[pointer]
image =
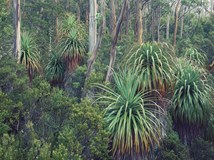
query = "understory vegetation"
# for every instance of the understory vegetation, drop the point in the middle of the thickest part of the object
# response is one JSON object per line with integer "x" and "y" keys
{"x": 58, "y": 103}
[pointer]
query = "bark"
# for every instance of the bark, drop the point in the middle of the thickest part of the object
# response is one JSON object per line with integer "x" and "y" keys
{"x": 113, "y": 19}
{"x": 127, "y": 19}
{"x": 158, "y": 30}
{"x": 177, "y": 9}
{"x": 57, "y": 24}
{"x": 17, "y": 28}
{"x": 114, "y": 39}
{"x": 182, "y": 22}
{"x": 167, "y": 26}
{"x": 78, "y": 11}
{"x": 153, "y": 25}
{"x": 92, "y": 25}
{"x": 138, "y": 23}
{"x": 87, "y": 13}
{"x": 158, "y": 23}
{"x": 91, "y": 60}
{"x": 93, "y": 57}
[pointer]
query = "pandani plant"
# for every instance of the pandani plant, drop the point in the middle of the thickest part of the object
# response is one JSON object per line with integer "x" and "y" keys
{"x": 133, "y": 116}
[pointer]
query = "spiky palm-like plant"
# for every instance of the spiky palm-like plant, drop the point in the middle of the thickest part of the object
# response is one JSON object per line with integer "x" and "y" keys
{"x": 154, "y": 66}
{"x": 72, "y": 41}
{"x": 29, "y": 55}
{"x": 195, "y": 57}
{"x": 55, "y": 69}
{"x": 132, "y": 117}
{"x": 191, "y": 102}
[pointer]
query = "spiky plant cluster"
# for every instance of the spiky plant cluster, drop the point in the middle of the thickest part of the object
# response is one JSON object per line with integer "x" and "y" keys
{"x": 72, "y": 41}
{"x": 132, "y": 117}
{"x": 195, "y": 57}
{"x": 55, "y": 69}
{"x": 191, "y": 101}
{"x": 154, "y": 66}
{"x": 29, "y": 55}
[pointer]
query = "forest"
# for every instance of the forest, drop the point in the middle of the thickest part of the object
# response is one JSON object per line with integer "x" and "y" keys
{"x": 107, "y": 79}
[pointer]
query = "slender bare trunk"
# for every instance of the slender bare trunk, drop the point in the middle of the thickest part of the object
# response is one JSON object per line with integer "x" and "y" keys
{"x": 153, "y": 26}
{"x": 115, "y": 34}
{"x": 93, "y": 57}
{"x": 167, "y": 26}
{"x": 78, "y": 11}
{"x": 87, "y": 13}
{"x": 158, "y": 22}
{"x": 57, "y": 24}
{"x": 91, "y": 60}
{"x": 127, "y": 19}
{"x": 212, "y": 6}
{"x": 17, "y": 28}
{"x": 138, "y": 23}
{"x": 177, "y": 9}
{"x": 182, "y": 22}
{"x": 158, "y": 30}
{"x": 92, "y": 25}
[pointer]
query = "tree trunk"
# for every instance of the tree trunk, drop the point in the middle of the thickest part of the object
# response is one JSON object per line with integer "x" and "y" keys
{"x": 87, "y": 13}
{"x": 92, "y": 25}
{"x": 167, "y": 26}
{"x": 138, "y": 23}
{"x": 57, "y": 24}
{"x": 177, "y": 9}
{"x": 153, "y": 25}
{"x": 127, "y": 18}
{"x": 182, "y": 22}
{"x": 78, "y": 11}
{"x": 17, "y": 28}
{"x": 115, "y": 34}
{"x": 93, "y": 57}
{"x": 158, "y": 22}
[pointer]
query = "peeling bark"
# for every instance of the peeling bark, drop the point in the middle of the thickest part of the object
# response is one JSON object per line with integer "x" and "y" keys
{"x": 17, "y": 28}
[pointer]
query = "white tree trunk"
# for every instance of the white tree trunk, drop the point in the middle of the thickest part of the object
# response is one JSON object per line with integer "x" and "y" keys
{"x": 182, "y": 21}
{"x": 17, "y": 28}
{"x": 92, "y": 25}
{"x": 167, "y": 26}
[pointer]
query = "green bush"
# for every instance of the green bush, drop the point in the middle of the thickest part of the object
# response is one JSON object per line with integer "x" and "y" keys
{"x": 202, "y": 150}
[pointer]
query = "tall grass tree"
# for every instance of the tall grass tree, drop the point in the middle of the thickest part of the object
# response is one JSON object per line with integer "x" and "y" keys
{"x": 29, "y": 55}
{"x": 72, "y": 38}
{"x": 132, "y": 116}
{"x": 55, "y": 70}
{"x": 191, "y": 103}
{"x": 155, "y": 65}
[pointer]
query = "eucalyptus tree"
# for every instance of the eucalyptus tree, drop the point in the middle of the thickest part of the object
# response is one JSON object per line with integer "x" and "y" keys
{"x": 177, "y": 9}
{"x": 132, "y": 117}
{"x": 115, "y": 30}
{"x": 17, "y": 29}
{"x": 92, "y": 25}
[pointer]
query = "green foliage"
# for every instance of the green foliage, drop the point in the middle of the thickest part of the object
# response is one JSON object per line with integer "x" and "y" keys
{"x": 194, "y": 57}
{"x": 172, "y": 149}
{"x": 72, "y": 41}
{"x": 201, "y": 149}
{"x": 191, "y": 102}
{"x": 29, "y": 55}
{"x": 48, "y": 123}
{"x": 88, "y": 126}
{"x": 154, "y": 66}
{"x": 8, "y": 147}
{"x": 55, "y": 70}
{"x": 132, "y": 117}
